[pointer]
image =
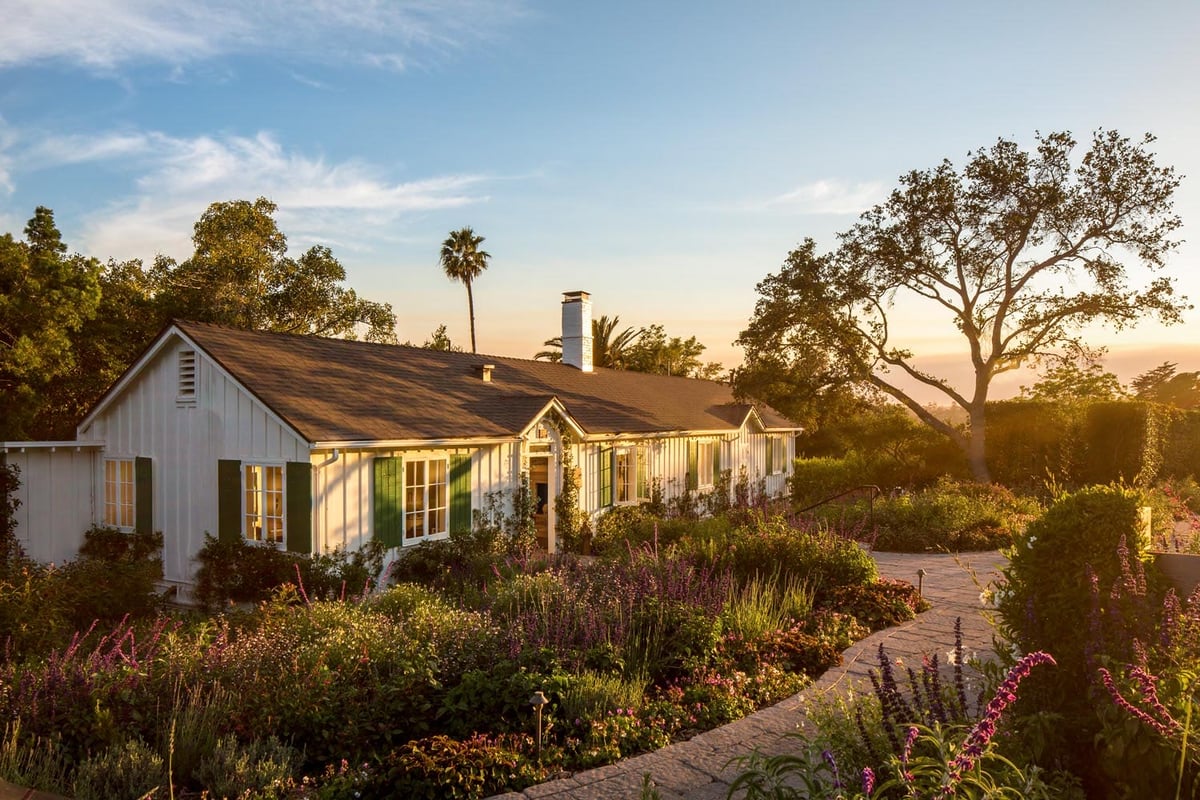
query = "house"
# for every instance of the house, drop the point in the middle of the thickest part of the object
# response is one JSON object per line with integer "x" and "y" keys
{"x": 312, "y": 443}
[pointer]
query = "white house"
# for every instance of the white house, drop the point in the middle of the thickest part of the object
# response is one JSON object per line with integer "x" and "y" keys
{"x": 315, "y": 443}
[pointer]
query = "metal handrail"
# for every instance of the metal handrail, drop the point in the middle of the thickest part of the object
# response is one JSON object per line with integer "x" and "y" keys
{"x": 875, "y": 492}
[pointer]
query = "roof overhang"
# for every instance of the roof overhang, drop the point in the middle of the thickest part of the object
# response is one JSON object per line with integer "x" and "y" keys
{"x": 410, "y": 444}
{"x": 21, "y": 447}
{"x": 149, "y": 355}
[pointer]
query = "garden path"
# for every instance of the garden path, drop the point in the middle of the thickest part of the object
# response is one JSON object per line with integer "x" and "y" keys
{"x": 700, "y": 768}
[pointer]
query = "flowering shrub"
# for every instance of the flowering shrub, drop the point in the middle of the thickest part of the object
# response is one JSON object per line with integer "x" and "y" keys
{"x": 928, "y": 761}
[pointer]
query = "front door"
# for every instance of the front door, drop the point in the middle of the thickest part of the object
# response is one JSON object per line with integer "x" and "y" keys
{"x": 539, "y": 482}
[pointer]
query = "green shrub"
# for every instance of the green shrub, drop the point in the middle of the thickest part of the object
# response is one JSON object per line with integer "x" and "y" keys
{"x": 440, "y": 767}
{"x": 116, "y": 574}
{"x": 261, "y": 769}
{"x": 340, "y": 678}
{"x": 131, "y": 769}
{"x": 880, "y": 604}
{"x": 951, "y": 516}
{"x": 817, "y": 557}
{"x": 238, "y": 571}
{"x": 1058, "y": 595}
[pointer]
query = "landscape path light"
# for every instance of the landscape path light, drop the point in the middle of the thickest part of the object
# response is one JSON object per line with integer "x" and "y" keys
{"x": 921, "y": 573}
{"x": 537, "y": 701}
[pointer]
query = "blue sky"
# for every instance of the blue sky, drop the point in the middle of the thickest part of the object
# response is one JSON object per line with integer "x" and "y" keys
{"x": 664, "y": 156}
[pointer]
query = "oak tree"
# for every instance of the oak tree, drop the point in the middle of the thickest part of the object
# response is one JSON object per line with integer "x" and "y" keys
{"x": 1014, "y": 254}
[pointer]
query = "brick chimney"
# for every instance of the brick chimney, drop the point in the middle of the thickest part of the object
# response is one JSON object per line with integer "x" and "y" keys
{"x": 577, "y": 330}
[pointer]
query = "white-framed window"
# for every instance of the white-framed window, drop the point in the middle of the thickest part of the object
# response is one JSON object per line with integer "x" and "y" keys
{"x": 262, "y": 505}
{"x": 777, "y": 458}
{"x": 704, "y": 464}
{"x": 630, "y": 475}
{"x": 426, "y": 499}
{"x": 118, "y": 493}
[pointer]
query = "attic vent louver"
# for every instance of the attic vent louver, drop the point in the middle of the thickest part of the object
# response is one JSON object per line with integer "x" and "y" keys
{"x": 187, "y": 378}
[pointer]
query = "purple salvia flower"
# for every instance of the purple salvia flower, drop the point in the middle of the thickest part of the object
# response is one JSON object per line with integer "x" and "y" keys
{"x": 833, "y": 767}
{"x": 960, "y": 684}
{"x": 868, "y": 780}
{"x": 1163, "y": 729}
{"x": 979, "y": 737}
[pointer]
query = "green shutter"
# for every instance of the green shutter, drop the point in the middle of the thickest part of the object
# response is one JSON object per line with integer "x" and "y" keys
{"x": 389, "y": 501}
{"x": 606, "y": 473}
{"x": 229, "y": 500}
{"x": 460, "y": 494}
{"x": 643, "y": 480}
{"x": 298, "y": 508}
{"x": 770, "y": 456}
{"x": 716, "y": 446}
{"x": 143, "y": 489}
{"x": 693, "y": 472}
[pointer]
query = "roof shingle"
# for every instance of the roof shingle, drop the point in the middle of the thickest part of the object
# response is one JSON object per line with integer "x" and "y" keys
{"x": 333, "y": 390}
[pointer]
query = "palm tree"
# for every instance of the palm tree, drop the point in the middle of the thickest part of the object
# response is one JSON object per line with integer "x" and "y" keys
{"x": 607, "y": 350}
{"x": 462, "y": 260}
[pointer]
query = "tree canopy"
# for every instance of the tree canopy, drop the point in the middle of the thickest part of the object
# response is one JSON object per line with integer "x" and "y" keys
{"x": 1164, "y": 385}
{"x": 69, "y": 326}
{"x": 46, "y": 297}
{"x": 240, "y": 274}
{"x": 1015, "y": 253}
{"x": 1071, "y": 382}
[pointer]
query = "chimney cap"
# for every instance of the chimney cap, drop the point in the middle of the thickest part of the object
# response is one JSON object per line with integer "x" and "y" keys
{"x": 570, "y": 297}
{"x": 485, "y": 371}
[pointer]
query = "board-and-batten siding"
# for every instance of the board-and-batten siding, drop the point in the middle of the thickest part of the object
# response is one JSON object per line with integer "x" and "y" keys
{"x": 50, "y": 517}
{"x": 343, "y": 495}
{"x": 186, "y": 443}
{"x": 668, "y": 462}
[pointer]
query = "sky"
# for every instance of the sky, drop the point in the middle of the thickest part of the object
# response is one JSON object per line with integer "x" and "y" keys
{"x": 663, "y": 156}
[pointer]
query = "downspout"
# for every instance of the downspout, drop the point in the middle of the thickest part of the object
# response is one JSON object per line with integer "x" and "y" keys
{"x": 333, "y": 457}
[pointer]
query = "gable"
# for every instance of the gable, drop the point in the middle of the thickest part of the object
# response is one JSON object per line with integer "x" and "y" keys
{"x": 338, "y": 391}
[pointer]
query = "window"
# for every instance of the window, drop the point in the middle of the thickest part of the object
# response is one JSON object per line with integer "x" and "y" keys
{"x": 263, "y": 504}
{"x": 118, "y": 492}
{"x": 186, "y": 395}
{"x": 426, "y": 510}
{"x": 776, "y": 455}
{"x": 630, "y": 473}
{"x": 705, "y": 452}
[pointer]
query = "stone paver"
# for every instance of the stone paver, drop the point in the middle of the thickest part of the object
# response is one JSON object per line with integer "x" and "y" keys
{"x": 700, "y": 769}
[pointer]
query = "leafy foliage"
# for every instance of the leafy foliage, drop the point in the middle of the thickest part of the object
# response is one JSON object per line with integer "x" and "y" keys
{"x": 238, "y": 571}
{"x": 1020, "y": 249}
{"x": 46, "y": 297}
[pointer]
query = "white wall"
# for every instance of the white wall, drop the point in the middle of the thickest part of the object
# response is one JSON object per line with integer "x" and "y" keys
{"x": 343, "y": 488}
{"x": 56, "y": 501}
{"x": 186, "y": 443}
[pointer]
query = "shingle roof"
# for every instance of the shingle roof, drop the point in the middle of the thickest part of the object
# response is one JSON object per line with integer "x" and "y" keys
{"x": 332, "y": 390}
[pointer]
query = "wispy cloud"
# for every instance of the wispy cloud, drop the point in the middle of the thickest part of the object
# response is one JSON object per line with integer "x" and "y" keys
{"x": 106, "y": 34}
{"x": 175, "y": 179}
{"x": 7, "y": 139}
{"x": 827, "y": 197}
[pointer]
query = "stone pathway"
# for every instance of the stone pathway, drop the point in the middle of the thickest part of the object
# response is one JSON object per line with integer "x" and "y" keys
{"x": 699, "y": 769}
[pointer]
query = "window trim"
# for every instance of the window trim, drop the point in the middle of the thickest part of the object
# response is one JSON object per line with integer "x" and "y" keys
{"x": 778, "y": 456}
{"x": 427, "y": 509}
{"x": 263, "y": 491}
{"x": 705, "y": 448}
{"x": 118, "y": 504}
